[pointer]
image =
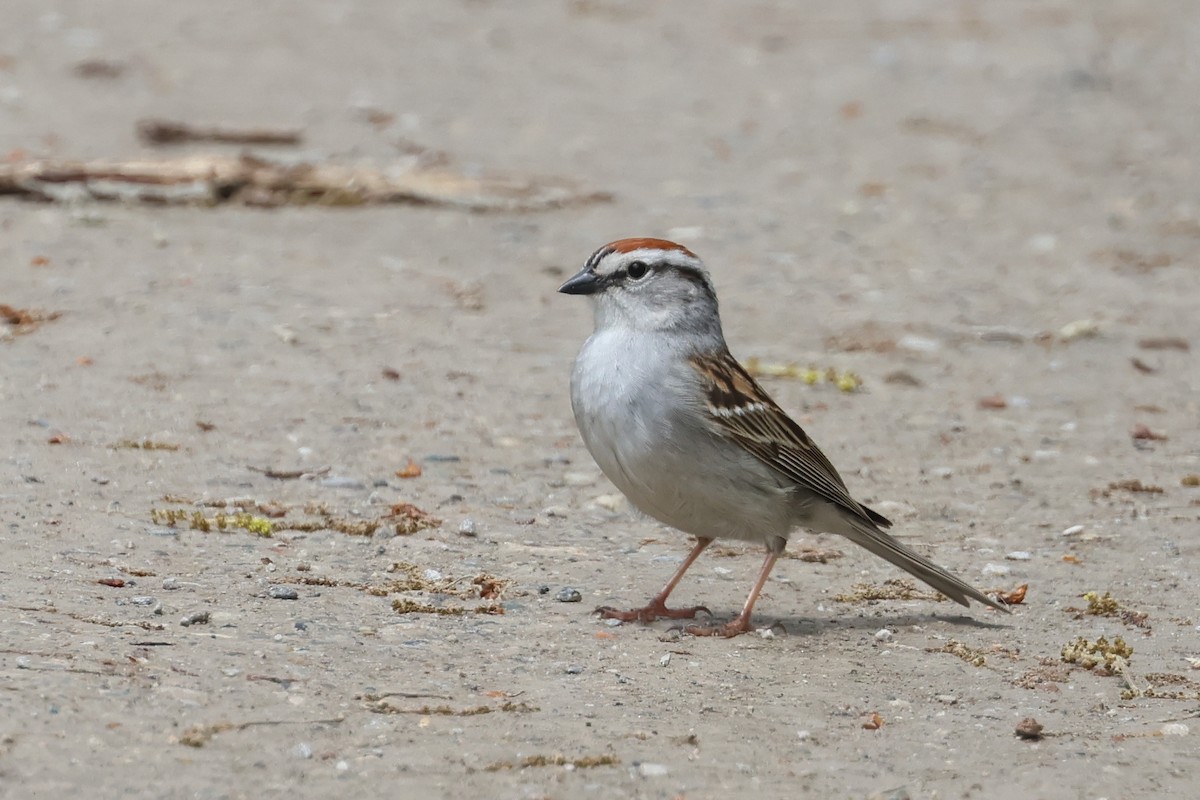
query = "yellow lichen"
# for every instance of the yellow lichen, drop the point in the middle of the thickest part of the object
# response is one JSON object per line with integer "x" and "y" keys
{"x": 1113, "y": 656}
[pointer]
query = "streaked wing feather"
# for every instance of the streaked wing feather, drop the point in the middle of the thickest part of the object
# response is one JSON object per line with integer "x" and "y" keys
{"x": 747, "y": 413}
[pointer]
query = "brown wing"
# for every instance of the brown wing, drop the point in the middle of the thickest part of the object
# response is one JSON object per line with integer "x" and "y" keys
{"x": 743, "y": 410}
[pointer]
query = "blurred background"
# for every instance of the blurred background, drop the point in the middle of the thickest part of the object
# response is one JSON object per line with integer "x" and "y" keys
{"x": 795, "y": 120}
{"x": 988, "y": 212}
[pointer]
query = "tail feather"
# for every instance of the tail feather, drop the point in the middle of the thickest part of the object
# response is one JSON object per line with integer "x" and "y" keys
{"x": 887, "y": 547}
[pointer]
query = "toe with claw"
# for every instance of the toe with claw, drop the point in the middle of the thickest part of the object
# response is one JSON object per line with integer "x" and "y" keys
{"x": 728, "y": 630}
{"x": 651, "y": 612}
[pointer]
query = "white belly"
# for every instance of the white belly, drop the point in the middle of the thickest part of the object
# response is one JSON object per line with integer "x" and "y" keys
{"x": 667, "y": 463}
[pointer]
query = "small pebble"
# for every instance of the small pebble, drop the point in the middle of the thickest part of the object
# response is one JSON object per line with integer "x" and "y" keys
{"x": 467, "y": 527}
{"x": 170, "y": 584}
{"x": 579, "y": 479}
{"x": 341, "y": 482}
{"x": 568, "y": 595}
{"x": 766, "y": 633}
{"x": 1019, "y": 555}
{"x": 666, "y": 659}
{"x": 996, "y": 569}
{"x": 894, "y": 508}
{"x": 918, "y": 344}
{"x": 1079, "y": 329}
{"x": 431, "y": 575}
{"x": 283, "y": 593}
{"x": 948, "y": 699}
{"x": 142, "y": 600}
{"x": 195, "y": 618}
{"x": 1030, "y": 729}
{"x": 302, "y": 750}
{"x": 804, "y": 736}
{"x": 652, "y": 770}
{"x": 883, "y": 635}
{"x": 231, "y": 672}
{"x": 543, "y": 589}
{"x": 609, "y": 502}
{"x": 574, "y": 669}
{"x": 1074, "y": 530}
{"x": 1175, "y": 729}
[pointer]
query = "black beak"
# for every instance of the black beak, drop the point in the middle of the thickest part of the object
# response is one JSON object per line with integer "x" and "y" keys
{"x": 583, "y": 282}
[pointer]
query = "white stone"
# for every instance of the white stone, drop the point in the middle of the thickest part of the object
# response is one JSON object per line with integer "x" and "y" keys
{"x": 609, "y": 502}
{"x": 918, "y": 344}
{"x": 579, "y": 478}
{"x": 652, "y": 770}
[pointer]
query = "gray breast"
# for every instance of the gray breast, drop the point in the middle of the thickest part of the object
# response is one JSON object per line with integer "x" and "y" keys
{"x": 662, "y": 457}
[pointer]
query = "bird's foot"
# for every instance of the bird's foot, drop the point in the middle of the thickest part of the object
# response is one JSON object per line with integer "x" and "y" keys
{"x": 728, "y": 630}
{"x": 655, "y": 610}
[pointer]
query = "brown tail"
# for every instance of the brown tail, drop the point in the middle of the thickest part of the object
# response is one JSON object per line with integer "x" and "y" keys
{"x": 886, "y": 546}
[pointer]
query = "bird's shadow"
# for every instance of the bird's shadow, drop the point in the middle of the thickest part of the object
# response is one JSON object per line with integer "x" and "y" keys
{"x": 818, "y": 626}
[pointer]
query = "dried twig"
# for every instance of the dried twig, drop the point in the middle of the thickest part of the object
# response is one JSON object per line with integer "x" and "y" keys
{"x": 200, "y": 735}
{"x": 288, "y": 474}
{"x": 256, "y": 181}
{"x": 165, "y": 131}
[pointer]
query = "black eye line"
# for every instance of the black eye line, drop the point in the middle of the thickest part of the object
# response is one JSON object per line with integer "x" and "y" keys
{"x": 685, "y": 270}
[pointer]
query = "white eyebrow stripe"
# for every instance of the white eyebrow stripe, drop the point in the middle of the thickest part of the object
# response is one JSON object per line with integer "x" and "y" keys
{"x": 675, "y": 257}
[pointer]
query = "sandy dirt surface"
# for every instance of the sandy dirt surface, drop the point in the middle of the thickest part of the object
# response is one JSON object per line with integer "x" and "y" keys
{"x": 956, "y": 202}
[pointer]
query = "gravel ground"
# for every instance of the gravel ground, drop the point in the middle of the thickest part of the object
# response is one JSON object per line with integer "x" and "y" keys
{"x": 987, "y": 212}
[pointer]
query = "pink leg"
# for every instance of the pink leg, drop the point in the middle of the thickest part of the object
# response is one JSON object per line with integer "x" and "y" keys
{"x": 742, "y": 623}
{"x": 657, "y": 607}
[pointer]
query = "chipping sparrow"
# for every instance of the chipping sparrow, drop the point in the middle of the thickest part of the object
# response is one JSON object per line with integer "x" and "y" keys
{"x": 689, "y": 436}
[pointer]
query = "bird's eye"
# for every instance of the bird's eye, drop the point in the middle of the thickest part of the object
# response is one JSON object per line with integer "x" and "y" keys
{"x": 637, "y": 270}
